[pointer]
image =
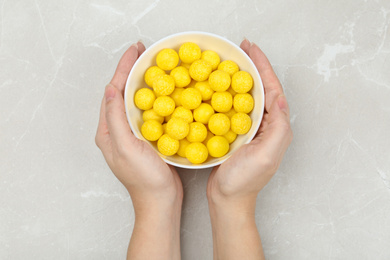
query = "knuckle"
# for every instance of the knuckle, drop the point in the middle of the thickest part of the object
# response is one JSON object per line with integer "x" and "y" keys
{"x": 270, "y": 164}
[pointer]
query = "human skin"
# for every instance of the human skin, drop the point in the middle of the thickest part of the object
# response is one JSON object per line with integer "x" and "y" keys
{"x": 233, "y": 186}
{"x": 154, "y": 187}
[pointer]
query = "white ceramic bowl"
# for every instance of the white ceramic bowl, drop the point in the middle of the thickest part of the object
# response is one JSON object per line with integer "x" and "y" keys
{"x": 227, "y": 50}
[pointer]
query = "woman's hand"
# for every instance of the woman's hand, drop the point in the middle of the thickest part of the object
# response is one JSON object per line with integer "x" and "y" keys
{"x": 233, "y": 186}
{"x": 155, "y": 188}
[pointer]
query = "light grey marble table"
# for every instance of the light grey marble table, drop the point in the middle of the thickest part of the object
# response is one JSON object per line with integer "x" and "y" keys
{"x": 330, "y": 198}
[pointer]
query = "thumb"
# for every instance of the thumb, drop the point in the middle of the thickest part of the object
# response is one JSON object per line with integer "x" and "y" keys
{"x": 117, "y": 124}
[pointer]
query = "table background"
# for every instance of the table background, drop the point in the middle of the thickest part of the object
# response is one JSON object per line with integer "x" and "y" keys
{"x": 330, "y": 199}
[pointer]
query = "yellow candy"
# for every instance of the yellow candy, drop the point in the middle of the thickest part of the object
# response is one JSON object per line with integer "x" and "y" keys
{"x": 197, "y": 133}
{"x": 241, "y": 123}
{"x": 200, "y": 70}
{"x": 222, "y": 101}
{"x": 152, "y": 115}
{"x": 167, "y": 118}
{"x": 204, "y": 89}
{"x": 197, "y": 153}
{"x": 243, "y": 103}
{"x": 191, "y": 98}
{"x": 177, "y": 128}
{"x": 151, "y": 74}
{"x": 167, "y": 145}
{"x": 242, "y": 82}
{"x": 192, "y": 84}
{"x": 164, "y": 126}
{"x": 189, "y": 52}
{"x": 183, "y": 143}
{"x": 185, "y": 65}
{"x": 184, "y": 113}
{"x": 151, "y": 130}
{"x": 219, "y": 80}
{"x": 219, "y": 124}
{"x": 230, "y": 113}
{"x": 144, "y": 98}
{"x": 218, "y": 146}
{"x": 229, "y": 66}
{"x": 211, "y": 57}
{"x": 176, "y": 95}
{"x": 164, "y": 85}
{"x": 167, "y": 59}
{"x": 203, "y": 113}
{"x": 230, "y": 136}
{"x": 181, "y": 76}
{"x": 208, "y": 137}
{"x": 231, "y": 91}
{"x": 164, "y": 105}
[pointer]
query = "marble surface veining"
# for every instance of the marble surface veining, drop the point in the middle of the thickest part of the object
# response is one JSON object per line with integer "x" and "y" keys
{"x": 330, "y": 198}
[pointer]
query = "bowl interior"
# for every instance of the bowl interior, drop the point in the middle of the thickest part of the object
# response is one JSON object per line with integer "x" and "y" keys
{"x": 206, "y": 41}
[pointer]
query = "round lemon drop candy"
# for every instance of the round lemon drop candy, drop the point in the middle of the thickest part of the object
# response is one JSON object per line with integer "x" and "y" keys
{"x": 167, "y": 59}
{"x": 177, "y": 128}
{"x": 164, "y": 105}
{"x": 241, "y": 123}
{"x": 176, "y": 94}
{"x": 164, "y": 85}
{"x": 181, "y": 76}
{"x": 208, "y": 137}
{"x": 197, "y": 133}
{"x": 211, "y": 57}
{"x": 185, "y": 65}
{"x": 151, "y": 74}
{"x": 242, "y": 82}
{"x": 219, "y": 124}
{"x": 200, "y": 70}
{"x": 189, "y": 52}
{"x": 231, "y": 91}
{"x": 151, "y": 130}
{"x": 197, "y": 153}
{"x": 230, "y": 113}
{"x": 243, "y": 103}
{"x": 219, "y": 80}
{"x": 230, "y": 136}
{"x": 167, "y": 145}
{"x": 229, "y": 66}
{"x": 191, "y": 98}
{"x": 183, "y": 143}
{"x": 218, "y": 146}
{"x": 152, "y": 115}
{"x": 204, "y": 89}
{"x": 144, "y": 98}
{"x": 203, "y": 113}
{"x": 222, "y": 101}
{"x": 184, "y": 113}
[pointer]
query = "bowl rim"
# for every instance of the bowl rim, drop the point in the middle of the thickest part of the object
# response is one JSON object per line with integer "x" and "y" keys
{"x": 257, "y": 125}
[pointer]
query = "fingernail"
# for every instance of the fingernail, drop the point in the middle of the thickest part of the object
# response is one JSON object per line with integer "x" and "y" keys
{"x": 246, "y": 40}
{"x": 282, "y": 103}
{"x": 135, "y": 45}
{"x": 110, "y": 92}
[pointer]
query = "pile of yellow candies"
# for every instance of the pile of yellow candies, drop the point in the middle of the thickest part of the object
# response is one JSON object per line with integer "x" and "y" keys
{"x": 195, "y": 109}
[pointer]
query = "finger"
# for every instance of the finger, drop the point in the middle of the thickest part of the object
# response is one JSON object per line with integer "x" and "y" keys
{"x": 117, "y": 124}
{"x": 141, "y": 48}
{"x": 278, "y": 134}
{"x": 124, "y": 66}
{"x": 245, "y": 45}
{"x": 102, "y": 119}
{"x": 272, "y": 86}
